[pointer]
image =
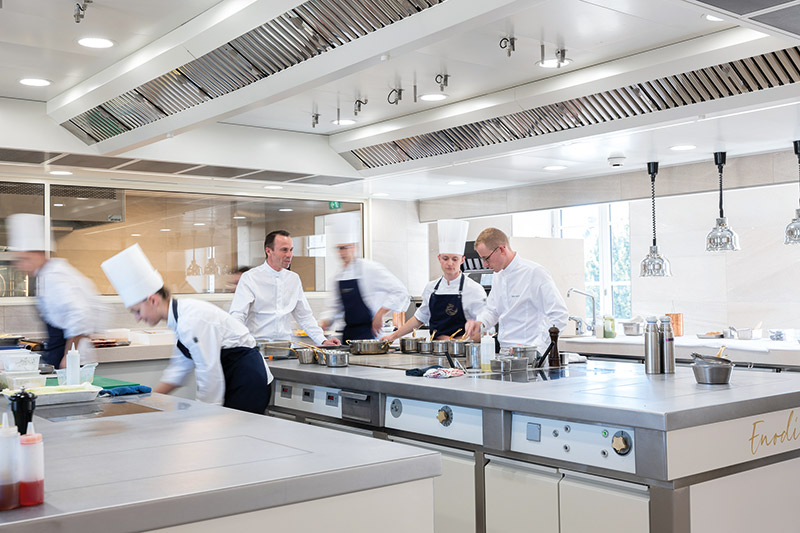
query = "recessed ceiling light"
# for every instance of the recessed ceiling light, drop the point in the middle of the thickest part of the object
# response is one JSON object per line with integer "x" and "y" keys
{"x": 682, "y": 147}
{"x": 273, "y": 187}
{"x": 457, "y": 182}
{"x": 95, "y": 42}
{"x": 136, "y": 234}
{"x": 81, "y": 198}
{"x": 554, "y": 63}
{"x": 167, "y": 229}
{"x": 554, "y": 167}
{"x": 58, "y": 205}
{"x": 60, "y": 173}
{"x": 286, "y": 210}
{"x": 433, "y": 97}
{"x": 712, "y": 18}
{"x": 343, "y": 122}
{"x": 35, "y": 82}
{"x": 199, "y": 223}
{"x": 239, "y": 217}
{"x": 380, "y": 194}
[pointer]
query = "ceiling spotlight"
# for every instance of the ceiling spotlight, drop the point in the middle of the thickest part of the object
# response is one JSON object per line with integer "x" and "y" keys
{"x": 136, "y": 234}
{"x": 58, "y": 205}
{"x": 95, "y": 42}
{"x": 314, "y": 119}
{"x": 239, "y": 217}
{"x": 79, "y": 11}
{"x": 286, "y": 210}
{"x": 60, "y": 173}
{"x": 712, "y": 18}
{"x": 34, "y": 82}
{"x": 273, "y": 187}
{"x": 554, "y": 167}
{"x": 342, "y": 121}
{"x": 508, "y": 44}
{"x": 433, "y": 97}
{"x": 560, "y": 60}
{"x": 357, "y": 106}
{"x": 682, "y": 147}
{"x": 457, "y": 182}
{"x": 199, "y": 224}
{"x": 165, "y": 229}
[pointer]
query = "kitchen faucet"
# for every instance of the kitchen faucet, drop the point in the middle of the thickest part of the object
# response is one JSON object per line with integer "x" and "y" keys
{"x": 591, "y": 326}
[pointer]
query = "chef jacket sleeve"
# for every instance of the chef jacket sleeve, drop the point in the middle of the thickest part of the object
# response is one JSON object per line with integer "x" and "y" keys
{"x": 474, "y": 298}
{"x": 204, "y": 342}
{"x": 178, "y": 368}
{"x": 491, "y": 313}
{"x": 394, "y": 294}
{"x": 552, "y": 305}
{"x": 305, "y": 319}
{"x": 243, "y": 299}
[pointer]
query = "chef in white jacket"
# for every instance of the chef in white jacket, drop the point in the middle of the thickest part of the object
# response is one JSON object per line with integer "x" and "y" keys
{"x": 452, "y": 299}
{"x": 229, "y": 369}
{"x": 268, "y": 295}
{"x": 67, "y": 300}
{"x": 364, "y": 291}
{"x": 524, "y": 298}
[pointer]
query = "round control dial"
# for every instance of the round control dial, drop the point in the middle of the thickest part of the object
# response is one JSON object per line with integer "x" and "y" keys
{"x": 622, "y": 443}
{"x": 445, "y": 416}
{"x": 396, "y": 408}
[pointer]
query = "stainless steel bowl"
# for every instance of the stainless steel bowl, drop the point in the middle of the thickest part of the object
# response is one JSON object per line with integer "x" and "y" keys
{"x": 306, "y": 356}
{"x": 409, "y": 344}
{"x": 368, "y": 347}
{"x": 274, "y": 348}
{"x": 439, "y": 347}
{"x": 425, "y": 346}
{"x": 712, "y": 373}
{"x": 336, "y": 358}
{"x": 530, "y": 353}
{"x": 457, "y": 347}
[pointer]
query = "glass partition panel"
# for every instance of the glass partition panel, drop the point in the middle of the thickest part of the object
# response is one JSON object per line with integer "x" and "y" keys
{"x": 16, "y": 198}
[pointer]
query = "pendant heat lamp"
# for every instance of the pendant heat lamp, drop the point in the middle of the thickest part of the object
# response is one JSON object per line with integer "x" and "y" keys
{"x": 654, "y": 264}
{"x": 793, "y": 229}
{"x": 721, "y": 238}
{"x": 193, "y": 269}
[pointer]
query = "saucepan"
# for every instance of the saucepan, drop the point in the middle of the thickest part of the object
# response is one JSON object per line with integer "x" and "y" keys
{"x": 305, "y": 356}
{"x": 409, "y": 344}
{"x": 530, "y": 353}
{"x": 439, "y": 347}
{"x": 425, "y": 346}
{"x": 368, "y": 347}
{"x": 336, "y": 358}
{"x": 458, "y": 347}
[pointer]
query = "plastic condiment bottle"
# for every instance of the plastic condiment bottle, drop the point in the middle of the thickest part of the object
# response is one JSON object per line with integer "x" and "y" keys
{"x": 31, "y": 468}
{"x": 73, "y": 366}
{"x": 666, "y": 342}
{"x": 487, "y": 353}
{"x": 9, "y": 465}
{"x": 652, "y": 352}
{"x": 609, "y": 332}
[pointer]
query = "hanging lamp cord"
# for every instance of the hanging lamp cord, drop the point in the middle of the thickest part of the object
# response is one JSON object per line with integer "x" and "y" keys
{"x": 721, "y": 214}
{"x": 653, "y": 203}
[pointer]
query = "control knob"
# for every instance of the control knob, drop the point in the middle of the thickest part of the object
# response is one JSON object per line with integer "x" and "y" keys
{"x": 445, "y": 416}
{"x": 622, "y": 443}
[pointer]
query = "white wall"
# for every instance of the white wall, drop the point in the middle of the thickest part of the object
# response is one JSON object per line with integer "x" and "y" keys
{"x": 714, "y": 290}
{"x": 400, "y": 242}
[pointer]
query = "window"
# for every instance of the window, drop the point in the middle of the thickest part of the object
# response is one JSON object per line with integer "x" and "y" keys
{"x": 17, "y": 198}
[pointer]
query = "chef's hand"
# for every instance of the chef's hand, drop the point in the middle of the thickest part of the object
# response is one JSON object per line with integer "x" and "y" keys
{"x": 333, "y": 341}
{"x": 472, "y": 328}
{"x": 389, "y": 338}
{"x": 377, "y": 321}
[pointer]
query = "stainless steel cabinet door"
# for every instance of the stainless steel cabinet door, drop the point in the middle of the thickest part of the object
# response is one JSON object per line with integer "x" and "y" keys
{"x": 520, "y": 497}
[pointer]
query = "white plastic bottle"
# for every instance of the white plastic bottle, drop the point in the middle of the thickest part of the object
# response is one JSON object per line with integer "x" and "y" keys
{"x": 9, "y": 465}
{"x": 73, "y": 366}
{"x": 31, "y": 468}
{"x": 487, "y": 353}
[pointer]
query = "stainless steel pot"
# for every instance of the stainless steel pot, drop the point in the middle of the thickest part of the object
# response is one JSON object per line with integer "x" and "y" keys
{"x": 473, "y": 353}
{"x": 321, "y": 356}
{"x": 409, "y": 344}
{"x": 306, "y": 356}
{"x": 425, "y": 346}
{"x": 457, "y": 347}
{"x": 439, "y": 347}
{"x": 508, "y": 364}
{"x": 274, "y": 348}
{"x": 712, "y": 374}
{"x": 368, "y": 347}
{"x": 336, "y": 358}
{"x": 530, "y": 353}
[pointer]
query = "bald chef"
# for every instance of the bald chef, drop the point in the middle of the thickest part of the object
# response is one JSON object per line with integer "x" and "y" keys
{"x": 451, "y": 300}
{"x": 268, "y": 294}
{"x": 67, "y": 301}
{"x": 364, "y": 291}
{"x": 524, "y": 298}
{"x": 228, "y": 367}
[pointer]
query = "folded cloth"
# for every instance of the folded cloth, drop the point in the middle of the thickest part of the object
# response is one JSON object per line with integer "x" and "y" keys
{"x": 443, "y": 373}
{"x": 419, "y": 372}
{"x": 122, "y": 391}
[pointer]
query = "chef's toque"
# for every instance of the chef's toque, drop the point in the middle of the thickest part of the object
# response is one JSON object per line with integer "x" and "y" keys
{"x": 345, "y": 229}
{"x": 452, "y": 236}
{"x": 26, "y": 232}
{"x": 132, "y": 275}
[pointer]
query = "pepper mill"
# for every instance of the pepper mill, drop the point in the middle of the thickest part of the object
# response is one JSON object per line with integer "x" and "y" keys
{"x": 554, "y": 359}
{"x": 22, "y": 405}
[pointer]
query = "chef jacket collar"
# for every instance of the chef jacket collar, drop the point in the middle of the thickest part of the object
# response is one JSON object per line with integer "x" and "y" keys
{"x": 512, "y": 265}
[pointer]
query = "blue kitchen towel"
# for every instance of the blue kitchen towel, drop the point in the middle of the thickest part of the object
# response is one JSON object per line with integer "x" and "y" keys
{"x": 418, "y": 372}
{"x": 121, "y": 391}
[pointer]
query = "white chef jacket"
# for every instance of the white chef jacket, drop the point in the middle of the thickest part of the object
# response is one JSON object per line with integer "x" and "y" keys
{"x": 205, "y": 330}
{"x": 473, "y": 297}
{"x": 265, "y": 298}
{"x": 68, "y": 300}
{"x": 378, "y": 288}
{"x": 525, "y": 300}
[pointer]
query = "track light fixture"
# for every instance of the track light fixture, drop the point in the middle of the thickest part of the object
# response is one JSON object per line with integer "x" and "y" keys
{"x": 357, "y": 106}
{"x": 508, "y": 44}
{"x": 442, "y": 79}
{"x": 314, "y": 119}
{"x": 80, "y": 10}
{"x": 560, "y": 60}
{"x": 394, "y": 96}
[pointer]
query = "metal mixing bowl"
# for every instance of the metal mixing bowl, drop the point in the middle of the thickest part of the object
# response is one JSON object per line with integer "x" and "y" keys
{"x": 712, "y": 374}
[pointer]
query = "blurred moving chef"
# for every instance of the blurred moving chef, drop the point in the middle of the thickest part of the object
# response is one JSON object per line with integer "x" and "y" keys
{"x": 524, "y": 298}
{"x": 67, "y": 300}
{"x": 454, "y": 298}
{"x": 364, "y": 291}
{"x": 229, "y": 369}
{"x": 267, "y": 295}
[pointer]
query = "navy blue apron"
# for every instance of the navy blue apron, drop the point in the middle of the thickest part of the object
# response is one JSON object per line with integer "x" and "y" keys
{"x": 357, "y": 316}
{"x": 447, "y": 311}
{"x": 246, "y": 387}
{"x": 54, "y": 347}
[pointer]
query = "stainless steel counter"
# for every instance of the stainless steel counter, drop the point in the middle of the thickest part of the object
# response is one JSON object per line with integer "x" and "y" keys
{"x": 182, "y": 461}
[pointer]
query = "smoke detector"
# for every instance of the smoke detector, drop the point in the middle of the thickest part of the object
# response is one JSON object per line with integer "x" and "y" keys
{"x": 616, "y": 160}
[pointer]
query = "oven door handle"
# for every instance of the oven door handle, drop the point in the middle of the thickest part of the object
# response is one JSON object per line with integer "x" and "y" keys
{"x": 359, "y": 396}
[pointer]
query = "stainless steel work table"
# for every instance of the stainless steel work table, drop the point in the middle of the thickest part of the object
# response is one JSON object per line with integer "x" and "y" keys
{"x": 183, "y": 461}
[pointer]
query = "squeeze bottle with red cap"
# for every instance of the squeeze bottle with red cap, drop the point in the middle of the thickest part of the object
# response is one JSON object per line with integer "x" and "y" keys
{"x": 31, "y": 468}
{"x": 9, "y": 465}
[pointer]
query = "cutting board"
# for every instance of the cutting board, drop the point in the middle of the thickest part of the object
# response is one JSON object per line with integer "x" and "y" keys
{"x": 99, "y": 381}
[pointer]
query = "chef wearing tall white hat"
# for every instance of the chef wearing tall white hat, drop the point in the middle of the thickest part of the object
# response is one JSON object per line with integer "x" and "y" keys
{"x": 67, "y": 301}
{"x": 229, "y": 369}
{"x": 451, "y": 300}
{"x": 364, "y": 291}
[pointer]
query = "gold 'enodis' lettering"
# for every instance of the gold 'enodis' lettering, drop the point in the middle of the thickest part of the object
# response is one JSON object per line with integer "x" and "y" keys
{"x": 790, "y": 433}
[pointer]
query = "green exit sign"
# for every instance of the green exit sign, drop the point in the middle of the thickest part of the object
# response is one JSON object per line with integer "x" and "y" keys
{"x": 334, "y": 205}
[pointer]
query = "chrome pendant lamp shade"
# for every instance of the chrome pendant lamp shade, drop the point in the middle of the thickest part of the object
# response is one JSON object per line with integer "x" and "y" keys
{"x": 721, "y": 238}
{"x": 654, "y": 264}
{"x": 793, "y": 229}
